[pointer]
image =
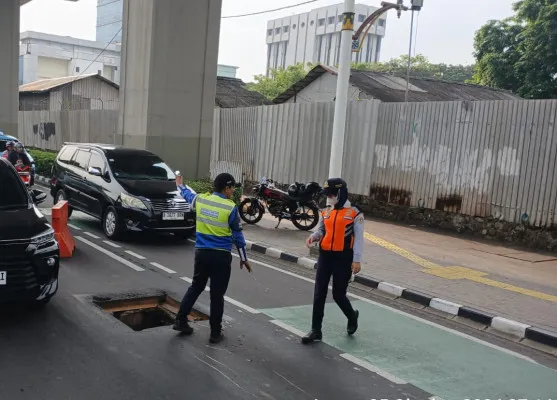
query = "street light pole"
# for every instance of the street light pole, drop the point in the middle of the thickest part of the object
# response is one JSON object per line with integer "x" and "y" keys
{"x": 341, "y": 99}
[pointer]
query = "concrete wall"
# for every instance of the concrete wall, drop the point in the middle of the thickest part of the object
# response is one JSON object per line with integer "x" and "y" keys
{"x": 163, "y": 108}
{"x": 9, "y": 65}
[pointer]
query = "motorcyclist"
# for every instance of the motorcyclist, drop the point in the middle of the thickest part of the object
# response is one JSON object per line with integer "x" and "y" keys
{"x": 9, "y": 149}
{"x": 18, "y": 157}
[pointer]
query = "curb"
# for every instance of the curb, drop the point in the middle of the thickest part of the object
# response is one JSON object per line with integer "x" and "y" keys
{"x": 42, "y": 180}
{"x": 516, "y": 329}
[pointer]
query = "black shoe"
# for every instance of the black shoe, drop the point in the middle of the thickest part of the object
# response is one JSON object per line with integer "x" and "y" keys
{"x": 352, "y": 326}
{"x": 312, "y": 336}
{"x": 216, "y": 338}
{"x": 182, "y": 327}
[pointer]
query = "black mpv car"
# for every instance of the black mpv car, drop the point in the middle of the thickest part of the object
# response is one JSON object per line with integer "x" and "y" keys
{"x": 29, "y": 252}
{"x": 127, "y": 189}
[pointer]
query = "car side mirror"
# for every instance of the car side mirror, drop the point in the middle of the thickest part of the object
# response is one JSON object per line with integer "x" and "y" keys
{"x": 95, "y": 171}
{"x": 38, "y": 196}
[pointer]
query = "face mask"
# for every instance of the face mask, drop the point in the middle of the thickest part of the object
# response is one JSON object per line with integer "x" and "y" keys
{"x": 331, "y": 201}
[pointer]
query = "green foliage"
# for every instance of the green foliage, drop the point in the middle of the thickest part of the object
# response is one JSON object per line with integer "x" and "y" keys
{"x": 205, "y": 185}
{"x": 420, "y": 67}
{"x": 518, "y": 53}
{"x": 43, "y": 161}
{"x": 279, "y": 80}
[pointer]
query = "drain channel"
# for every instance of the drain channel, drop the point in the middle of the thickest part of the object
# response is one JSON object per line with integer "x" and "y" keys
{"x": 148, "y": 312}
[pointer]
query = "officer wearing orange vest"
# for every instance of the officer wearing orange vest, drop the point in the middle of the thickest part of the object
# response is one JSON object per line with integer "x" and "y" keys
{"x": 340, "y": 235}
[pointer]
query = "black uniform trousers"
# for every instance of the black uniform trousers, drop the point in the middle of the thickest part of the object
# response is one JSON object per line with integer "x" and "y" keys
{"x": 339, "y": 266}
{"x": 209, "y": 264}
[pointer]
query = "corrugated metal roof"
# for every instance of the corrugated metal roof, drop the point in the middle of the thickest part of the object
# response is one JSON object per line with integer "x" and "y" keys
{"x": 384, "y": 88}
{"x": 46, "y": 85}
{"x": 233, "y": 93}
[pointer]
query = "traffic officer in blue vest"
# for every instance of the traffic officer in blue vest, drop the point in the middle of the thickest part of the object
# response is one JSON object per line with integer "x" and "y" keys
{"x": 217, "y": 228}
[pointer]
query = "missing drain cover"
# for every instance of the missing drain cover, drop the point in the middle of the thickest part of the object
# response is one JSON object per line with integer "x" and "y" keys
{"x": 141, "y": 313}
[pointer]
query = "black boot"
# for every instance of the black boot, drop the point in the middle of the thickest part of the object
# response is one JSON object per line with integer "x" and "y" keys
{"x": 312, "y": 336}
{"x": 352, "y": 326}
{"x": 182, "y": 327}
{"x": 216, "y": 337}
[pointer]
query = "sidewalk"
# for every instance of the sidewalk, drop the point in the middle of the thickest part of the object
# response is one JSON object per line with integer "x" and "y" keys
{"x": 502, "y": 281}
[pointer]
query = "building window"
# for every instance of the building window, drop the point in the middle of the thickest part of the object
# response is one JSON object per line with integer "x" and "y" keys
{"x": 340, "y": 18}
{"x": 277, "y": 31}
{"x": 381, "y": 22}
{"x": 311, "y": 23}
{"x": 303, "y": 24}
{"x": 331, "y": 20}
{"x": 321, "y": 22}
{"x": 269, "y": 32}
{"x": 361, "y": 18}
{"x": 285, "y": 28}
{"x": 76, "y": 69}
{"x": 294, "y": 26}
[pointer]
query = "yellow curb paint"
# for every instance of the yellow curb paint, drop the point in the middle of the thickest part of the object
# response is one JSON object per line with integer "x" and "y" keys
{"x": 455, "y": 272}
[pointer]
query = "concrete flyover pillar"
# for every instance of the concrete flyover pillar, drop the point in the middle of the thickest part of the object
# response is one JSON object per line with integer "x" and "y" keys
{"x": 9, "y": 66}
{"x": 168, "y": 81}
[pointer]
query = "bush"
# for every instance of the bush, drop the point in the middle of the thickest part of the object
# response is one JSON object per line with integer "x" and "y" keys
{"x": 205, "y": 185}
{"x": 43, "y": 161}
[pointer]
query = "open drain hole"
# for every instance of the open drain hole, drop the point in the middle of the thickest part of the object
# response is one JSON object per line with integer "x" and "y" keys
{"x": 141, "y": 313}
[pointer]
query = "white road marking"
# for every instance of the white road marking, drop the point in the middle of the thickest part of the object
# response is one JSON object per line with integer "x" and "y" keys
{"x": 188, "y": 280}
{"x": 241, "y": 305}
{"x": 110, "y": 254}
{"x": 117, "y": 246}
{"x": 77, "y": 228}
{"x": 139, "y": 256}
{"x": 372, "y": 368}
{"x": 288, "y": 328}
{"x": 163, "y": 268}
{"x": 91, "y": 235}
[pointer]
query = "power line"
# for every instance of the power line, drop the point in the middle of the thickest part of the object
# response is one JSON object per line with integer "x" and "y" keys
{"x": 269, "y": 11}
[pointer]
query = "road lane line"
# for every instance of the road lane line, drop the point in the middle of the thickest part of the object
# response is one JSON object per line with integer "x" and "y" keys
{"x": 163, "y": 268}
{"x": 138, "y": 256}
{"x": 228, "y": 299}
{"x": 77, "y": 228}
{"x": 91, "y": 235}
{"x": 117, "y": 246}
{"x": 364, "y": 364}
{"x": 414, "y": 317}
{"x": 110, "y": 254}
{"x": 188, "y": 280}
{"x": 288, "y": 328}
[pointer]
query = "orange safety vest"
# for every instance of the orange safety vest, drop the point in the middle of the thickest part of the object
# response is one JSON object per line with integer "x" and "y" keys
{"x": 339, "y": 229}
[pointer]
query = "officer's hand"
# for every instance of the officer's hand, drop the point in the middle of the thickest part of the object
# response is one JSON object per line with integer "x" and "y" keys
{"x": 245, "y": 264}
{"x": 356, "y": 268}
{"x": 179, "y": 180}
{"x": 309, "y": 241}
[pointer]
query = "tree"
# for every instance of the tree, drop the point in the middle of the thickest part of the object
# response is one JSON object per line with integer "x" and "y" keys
{"x": 421, "y": 67}
{"x": 519, "y": 53}
{"x": 278, "y": 81}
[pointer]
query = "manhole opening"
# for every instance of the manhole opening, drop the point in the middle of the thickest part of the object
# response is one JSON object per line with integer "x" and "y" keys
{"x": 141, "y": 313}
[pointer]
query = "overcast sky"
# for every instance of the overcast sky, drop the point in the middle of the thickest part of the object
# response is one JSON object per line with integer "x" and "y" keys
{"x": 445, "y": 28}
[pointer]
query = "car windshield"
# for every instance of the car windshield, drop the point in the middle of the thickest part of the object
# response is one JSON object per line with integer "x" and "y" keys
{"x": 140, "y": 167}
{"x": 12, "y": 194}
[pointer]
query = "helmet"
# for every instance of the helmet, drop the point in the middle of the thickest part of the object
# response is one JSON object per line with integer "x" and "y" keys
{"x": 19, "y": 145}
{"x": 222, "y": 181}
{"x": 336, "y": 187}
{"x": 11, "y": 143}
{"x": 293, "y": 189}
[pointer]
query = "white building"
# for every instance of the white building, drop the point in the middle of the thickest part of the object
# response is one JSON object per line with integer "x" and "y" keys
{"x": 45, "y": 56}
{"x": 315, "y": 37}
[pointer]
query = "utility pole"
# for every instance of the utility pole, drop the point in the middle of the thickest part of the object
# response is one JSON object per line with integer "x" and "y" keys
{"x": 343, "y": 79}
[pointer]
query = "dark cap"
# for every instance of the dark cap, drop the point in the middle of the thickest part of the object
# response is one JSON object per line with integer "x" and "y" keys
{"x": 223, "y": 181}
{"x": 333, "y": 185}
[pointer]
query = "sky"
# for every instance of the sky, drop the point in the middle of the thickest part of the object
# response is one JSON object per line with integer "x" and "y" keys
{"x": 444, "y": 28}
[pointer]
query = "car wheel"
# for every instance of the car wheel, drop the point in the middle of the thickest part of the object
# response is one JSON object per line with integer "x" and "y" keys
{"x": 61, "y": 196}
{"x": 111, "y": 225}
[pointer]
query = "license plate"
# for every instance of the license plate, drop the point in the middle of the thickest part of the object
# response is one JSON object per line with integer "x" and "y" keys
{"x": 2, "y": 277}
{"x": 172, "y": 216}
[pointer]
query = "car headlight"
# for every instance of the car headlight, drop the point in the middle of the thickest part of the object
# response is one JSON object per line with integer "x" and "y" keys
{"x": 44, "y": 237}
{"x": 132, "y": 202}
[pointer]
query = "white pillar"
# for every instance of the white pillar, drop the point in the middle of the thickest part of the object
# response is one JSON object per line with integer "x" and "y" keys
{"x": 9, "y": 66}
{"x": 168, "y": 80}
{"x": 341, "y": 99}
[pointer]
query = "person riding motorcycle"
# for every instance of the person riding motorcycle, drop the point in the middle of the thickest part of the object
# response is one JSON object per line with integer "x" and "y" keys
{"x": 9, "y": 149}
{"x": 18, "y": 157}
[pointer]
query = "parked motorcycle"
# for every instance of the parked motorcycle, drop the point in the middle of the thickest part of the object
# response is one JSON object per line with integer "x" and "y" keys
{"x": 299, "y": 204}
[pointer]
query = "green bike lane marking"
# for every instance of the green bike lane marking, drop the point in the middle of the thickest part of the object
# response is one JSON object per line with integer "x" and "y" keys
{"x": 431, "y": 358}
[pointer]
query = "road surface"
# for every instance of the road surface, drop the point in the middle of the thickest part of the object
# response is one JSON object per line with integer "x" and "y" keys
{"x": 74, "y": 350}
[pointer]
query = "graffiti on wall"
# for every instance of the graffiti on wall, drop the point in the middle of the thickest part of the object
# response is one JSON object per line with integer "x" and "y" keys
{"x": 450, "y": 168}
{"x": 45, "y": 130}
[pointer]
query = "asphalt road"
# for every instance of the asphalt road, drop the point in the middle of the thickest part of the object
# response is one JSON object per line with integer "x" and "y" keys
{"x": 74, "y": 350}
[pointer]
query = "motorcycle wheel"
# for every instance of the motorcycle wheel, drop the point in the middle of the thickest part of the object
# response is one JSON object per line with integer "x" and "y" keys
{"x": 250, "y": 211}
{"x": 297, "y": 218}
